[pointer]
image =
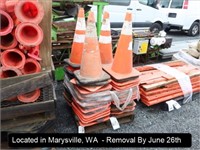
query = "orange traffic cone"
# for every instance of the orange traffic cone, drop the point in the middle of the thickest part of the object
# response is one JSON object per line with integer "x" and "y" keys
{"x": 29, "y": 97}
{"x": 8, "y": 41}
{"x": 13, "y": 58}
{"x": 7, "y": 72}
{"x": 29, "y": 34}
{"x": 121, "y": 68}
{"x": 31, "y": 66}
{"x": 91, "y": 67}
{"x": 6, "y": 25}
{"x": 105, "y": 41}
{"x": 78, "y": 42}
{"x": 29, "y": 11}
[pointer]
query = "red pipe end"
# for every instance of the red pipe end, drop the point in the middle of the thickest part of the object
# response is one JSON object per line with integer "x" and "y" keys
{"x": 10, "y": 5}
{"x": 2, "y": 4}
{"x": 29, "y": 11}
{"x": 29, "y": 34}
{"x": 9, "y": 72}
{"x": 31, "y": 66}
{"x": 8, "y": 41}
{"x": 6, "y": 23}
{"x": 13, "y": 58}
{"x": 29, "y": 97}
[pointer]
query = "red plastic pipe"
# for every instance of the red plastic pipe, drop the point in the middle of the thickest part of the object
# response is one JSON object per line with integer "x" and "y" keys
{"x": 8, "y": 41}
{"x": 29, "y": 11}
{"x": 10, "y": 5}
{"x": 9, "y": 72}
{"x": 13, "y": 58}
{"x": 29, "y": 34}
{"x": 2, "y": 4}
{"x": 6, "y": 23}
{"x": 31, "y": 66}
{"x": 29, "y": 97}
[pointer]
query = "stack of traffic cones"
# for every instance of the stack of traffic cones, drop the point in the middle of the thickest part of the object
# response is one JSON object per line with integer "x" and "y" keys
{"x": 158, "y": 86}
{"x": 73, "y": 63}
{"x": 124, "y": 76}
{"x": 20, "y": 36}
{"x": 90, "y": 88}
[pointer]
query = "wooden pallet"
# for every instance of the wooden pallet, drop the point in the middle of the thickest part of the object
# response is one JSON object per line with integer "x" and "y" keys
{"x": 122, "y": 119}
{"x": 16, "y": 116}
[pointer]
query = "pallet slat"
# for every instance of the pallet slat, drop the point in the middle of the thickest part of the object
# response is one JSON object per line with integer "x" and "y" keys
{"x": 25, "y": 110}
{"x": 24, "y": 86}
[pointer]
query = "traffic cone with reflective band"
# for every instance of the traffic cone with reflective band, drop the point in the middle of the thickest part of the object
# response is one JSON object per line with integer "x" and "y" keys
{"x": 31, "y": 66}
{"x": 78, "y": 42}
{"x": 29, "y": 34}
{"x": 122, "y": 69}
{"x": 91, "y": 68}
{"x": 8, "y": 41}
{"x": 105, "y": 41}
{"x": 29, "y": 97}
{"x": 34, "y": 53}
{"x": 7, "y": 72}
{"x": 13, "y": 58}
{"x": 6, "y": 25}
{"x": 30, "y": 11}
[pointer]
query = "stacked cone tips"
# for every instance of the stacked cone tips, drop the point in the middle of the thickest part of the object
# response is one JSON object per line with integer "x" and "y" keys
{"x": 29, "y": 97}
{"x": 121, "y": 68}
{"x": 8, "y": 41}
{"x": 29, "y": 34}
{"x": 7, "y": 72}
{"x": 79, "y": 38}
{"x": 6, "y": 24}
{"x": 29, "y": 11}
{"x": 105, "y": 41}
{"x": 13, "y": 58}
{"x": 91, "y": 62}
{"x": 31, "y": 66}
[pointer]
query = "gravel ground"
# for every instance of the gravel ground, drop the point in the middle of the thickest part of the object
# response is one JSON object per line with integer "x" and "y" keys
{"x": 147, "y": 119}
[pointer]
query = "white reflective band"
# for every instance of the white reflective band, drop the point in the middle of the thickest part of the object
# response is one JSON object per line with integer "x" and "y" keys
{"x": 105, "y": 25}
{"x": 105, "y": 39}
{"x": 80, "y": 24}
{"x": 117, "y": 101}
{"x": 127, "y": 28}
{"x": 130, "y": 46}
{"x": 81, "y": 129}
{"x": 114, "y": 123}
{"x": 182, "y": 78}
{"x": 79, "y": 38}
{"x": 170, "y": 105}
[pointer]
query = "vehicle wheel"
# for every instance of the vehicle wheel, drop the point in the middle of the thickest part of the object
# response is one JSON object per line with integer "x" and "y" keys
{"x": 155, "y": 28}
{"x": 167, "y": 29}
{"x": 194, "y": 29}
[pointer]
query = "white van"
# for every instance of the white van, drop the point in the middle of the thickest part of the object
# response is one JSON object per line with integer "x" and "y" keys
{"x": 183, "y": 15}
{"x": 145, "y": 15}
